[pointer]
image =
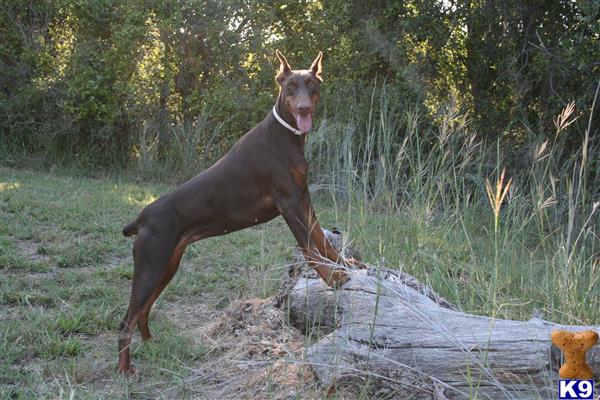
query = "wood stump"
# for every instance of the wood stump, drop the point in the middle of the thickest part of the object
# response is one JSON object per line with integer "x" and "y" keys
{"x": 389, "y": 335}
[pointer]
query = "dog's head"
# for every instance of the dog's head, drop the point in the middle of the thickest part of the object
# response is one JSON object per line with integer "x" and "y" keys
{"x": 299, "y": 90}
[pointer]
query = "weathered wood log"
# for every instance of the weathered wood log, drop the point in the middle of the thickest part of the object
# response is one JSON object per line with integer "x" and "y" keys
{"x": 393, "y": 335}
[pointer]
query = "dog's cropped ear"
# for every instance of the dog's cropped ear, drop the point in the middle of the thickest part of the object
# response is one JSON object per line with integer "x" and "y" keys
{"x": 317, "y": 67}
{"x": 284, "y": 67}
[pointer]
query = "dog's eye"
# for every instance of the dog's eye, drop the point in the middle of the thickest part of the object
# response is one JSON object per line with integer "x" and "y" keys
{"x": 292, "y": 87}
{"x": 312, "y": 87}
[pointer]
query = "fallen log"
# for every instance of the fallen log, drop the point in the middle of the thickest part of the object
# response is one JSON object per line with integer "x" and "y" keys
{"x": 390, "y": 336}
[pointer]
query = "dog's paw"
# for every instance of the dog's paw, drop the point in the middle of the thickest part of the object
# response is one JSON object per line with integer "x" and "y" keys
{"x": 337, "y": 279}
{"x": 129, "y": 372}
{"x": 356, "y": 263}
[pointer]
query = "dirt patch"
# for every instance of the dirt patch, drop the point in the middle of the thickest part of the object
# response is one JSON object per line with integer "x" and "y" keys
{"x": 255, "y": 354}
{"x": 191, "y": 318}
{"x": 30, "y": 250}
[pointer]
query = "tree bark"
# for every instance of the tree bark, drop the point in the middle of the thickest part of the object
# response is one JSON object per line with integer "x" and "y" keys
{"x": 394, "y": 337}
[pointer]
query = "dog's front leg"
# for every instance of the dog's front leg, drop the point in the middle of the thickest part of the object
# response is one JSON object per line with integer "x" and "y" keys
{"x": 302, "y": 226}
{"x": 323, "y": 245}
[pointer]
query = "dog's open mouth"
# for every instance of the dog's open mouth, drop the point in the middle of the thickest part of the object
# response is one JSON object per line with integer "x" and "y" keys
{"x": 304, "y": 122}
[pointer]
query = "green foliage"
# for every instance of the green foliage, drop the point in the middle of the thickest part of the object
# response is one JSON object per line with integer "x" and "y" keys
{"x": 104, "y": 82}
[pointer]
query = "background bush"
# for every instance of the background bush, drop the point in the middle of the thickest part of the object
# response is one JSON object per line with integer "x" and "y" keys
{"x": 103, "y": 83}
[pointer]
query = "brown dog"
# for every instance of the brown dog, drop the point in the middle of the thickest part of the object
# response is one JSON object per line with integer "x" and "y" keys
{"x": 261, "y": 177}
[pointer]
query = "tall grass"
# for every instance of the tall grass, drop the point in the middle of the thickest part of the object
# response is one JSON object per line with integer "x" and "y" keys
{"x": 189, "y": 149}
{"x": 494, "y": 235}
{"x": 415, "y": 197}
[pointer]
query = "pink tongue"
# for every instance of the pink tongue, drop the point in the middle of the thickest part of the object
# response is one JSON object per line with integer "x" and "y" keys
{"x": 304, "y": 122}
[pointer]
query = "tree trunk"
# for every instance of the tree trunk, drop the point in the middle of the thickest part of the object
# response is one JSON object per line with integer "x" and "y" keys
{"x": 392, "y": 336}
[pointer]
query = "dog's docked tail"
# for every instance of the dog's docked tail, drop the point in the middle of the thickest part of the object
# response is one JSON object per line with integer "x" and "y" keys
{"x": 130, "y": 229}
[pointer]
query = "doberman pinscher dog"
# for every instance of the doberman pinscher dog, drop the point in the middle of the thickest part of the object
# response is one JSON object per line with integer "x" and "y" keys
{"x": 263, "y": 175}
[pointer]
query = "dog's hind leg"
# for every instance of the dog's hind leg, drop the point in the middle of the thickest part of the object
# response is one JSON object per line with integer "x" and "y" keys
{"x": 142, "y": 321}
{"x": 152, "y": 254}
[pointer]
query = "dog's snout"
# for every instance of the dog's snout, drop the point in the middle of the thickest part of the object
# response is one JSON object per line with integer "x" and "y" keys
{"x": 304, "y": 109}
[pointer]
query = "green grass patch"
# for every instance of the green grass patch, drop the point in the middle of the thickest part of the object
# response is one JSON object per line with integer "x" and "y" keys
{"x": 66, "y": 274}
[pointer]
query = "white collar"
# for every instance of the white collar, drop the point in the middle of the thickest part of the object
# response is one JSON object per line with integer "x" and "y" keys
{"x": 282, "y": 122}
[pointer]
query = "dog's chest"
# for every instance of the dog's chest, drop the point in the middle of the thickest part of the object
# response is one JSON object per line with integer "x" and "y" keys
{"x": 299, "y": 173}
